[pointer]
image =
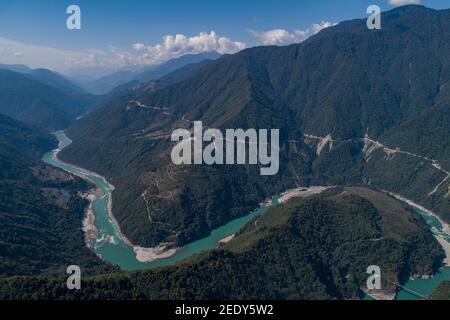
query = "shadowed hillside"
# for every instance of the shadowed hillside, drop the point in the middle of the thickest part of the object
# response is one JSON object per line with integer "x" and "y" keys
{"x": 40, "y": 208}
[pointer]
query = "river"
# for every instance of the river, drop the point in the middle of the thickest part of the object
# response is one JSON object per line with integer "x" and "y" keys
{"x": 427, "y": 286}
{"x": 112, "y": 248}
{"x": 110, "y": 245}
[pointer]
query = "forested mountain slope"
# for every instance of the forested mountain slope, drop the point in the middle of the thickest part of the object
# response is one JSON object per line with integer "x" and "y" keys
{"x": 354, "y": 106}
{"x": 40, "y": 208}
{"x": 317, "y": 248}
{"x": 29, "y": 100}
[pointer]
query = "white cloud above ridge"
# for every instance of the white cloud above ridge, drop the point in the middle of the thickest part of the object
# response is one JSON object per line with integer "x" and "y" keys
{"x": 172, "y": 46}
{"x": 284, "y": 37}
{"x": 397, "y": 3}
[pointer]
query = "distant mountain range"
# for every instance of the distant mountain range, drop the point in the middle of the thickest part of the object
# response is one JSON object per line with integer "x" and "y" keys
{"x": 143, "y": 75}
{"x": 354, "y": 106}
{"x": 47, "y": 77}
{"x": 52, "y": 101}
{"x": 41, "y": 98}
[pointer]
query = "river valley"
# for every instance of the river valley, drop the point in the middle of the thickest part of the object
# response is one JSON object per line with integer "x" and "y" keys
{"x": 108, "y": 242}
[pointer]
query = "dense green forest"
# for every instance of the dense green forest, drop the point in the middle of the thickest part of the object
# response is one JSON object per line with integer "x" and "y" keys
{"x": 345, "y": 82}
{"x": 316, "y": 248}
{"x": 40, "y": 209}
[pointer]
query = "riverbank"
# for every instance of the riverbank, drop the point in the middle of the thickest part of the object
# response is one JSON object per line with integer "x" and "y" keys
{"x": 160, "y": 254}
{"x": 422, "y": 284}
{"x": 145, "y": 255}
{"x": 227, "y": 239}
{"x": 301, "y": 193}
{"x": 446, "y": 246}
{"x": 90, "y": 231}
{"x": 445, "y": 227}
{"x": 380, "y": 294}
{"x": 116, "y": 248}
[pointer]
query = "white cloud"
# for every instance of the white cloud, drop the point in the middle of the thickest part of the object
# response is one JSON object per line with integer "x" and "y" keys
{"x": 284, "y": 37}
{"x": 174, "y": 46}
{"x": 35, "y": 56}
{"x": 397, "y": 3}
{"x": 138, "y": 46}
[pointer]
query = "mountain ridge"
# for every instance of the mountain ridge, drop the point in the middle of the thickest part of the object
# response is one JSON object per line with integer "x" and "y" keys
{"x": 121, "y": 78}
{"x": 31, "y": 101}
{"x": 347, "y": 82}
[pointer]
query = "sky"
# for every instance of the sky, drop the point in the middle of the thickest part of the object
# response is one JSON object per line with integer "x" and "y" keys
{"x": 120, "y": 33}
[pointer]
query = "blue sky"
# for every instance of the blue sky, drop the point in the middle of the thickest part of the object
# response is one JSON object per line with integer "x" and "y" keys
{"x": 133, "y": 29}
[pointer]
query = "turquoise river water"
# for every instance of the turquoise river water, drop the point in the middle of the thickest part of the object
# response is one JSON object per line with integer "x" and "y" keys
{"x": 113, "y": 249}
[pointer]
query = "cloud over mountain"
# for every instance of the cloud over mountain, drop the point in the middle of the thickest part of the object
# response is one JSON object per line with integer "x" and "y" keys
{"x": 284, "y": 37}
{"x": 174, "y": 46}
{"x": 397, "y": 3}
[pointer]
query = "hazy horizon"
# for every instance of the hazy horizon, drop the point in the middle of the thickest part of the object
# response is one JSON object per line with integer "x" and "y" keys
{"x": 111, "y": 39}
